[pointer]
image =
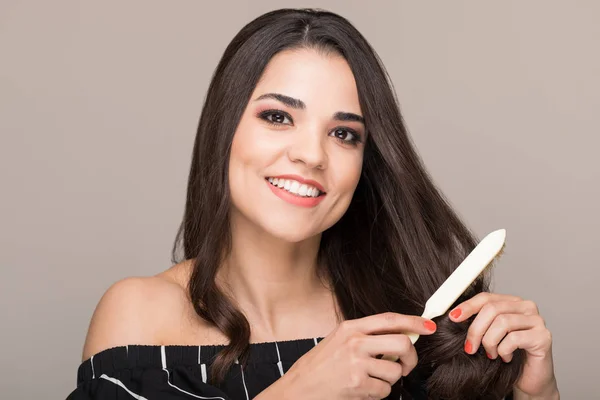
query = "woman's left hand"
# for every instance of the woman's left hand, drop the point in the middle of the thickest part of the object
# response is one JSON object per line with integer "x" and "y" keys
{"x": 505, "y": 323}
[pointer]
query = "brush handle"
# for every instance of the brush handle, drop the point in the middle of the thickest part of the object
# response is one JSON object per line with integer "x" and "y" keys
{"x": 471, "y": 267}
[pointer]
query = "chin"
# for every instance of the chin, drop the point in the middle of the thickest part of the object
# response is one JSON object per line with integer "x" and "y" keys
{"x": 289, "y": 233}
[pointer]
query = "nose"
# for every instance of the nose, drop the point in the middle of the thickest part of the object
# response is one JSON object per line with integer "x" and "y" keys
{"x": 308, "y": 147}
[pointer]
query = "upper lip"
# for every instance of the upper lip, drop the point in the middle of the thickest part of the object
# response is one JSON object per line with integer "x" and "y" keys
{"x": 301, "y": 180}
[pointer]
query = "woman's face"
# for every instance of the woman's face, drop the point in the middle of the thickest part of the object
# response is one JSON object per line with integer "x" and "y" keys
{"x": 303, "y": 126}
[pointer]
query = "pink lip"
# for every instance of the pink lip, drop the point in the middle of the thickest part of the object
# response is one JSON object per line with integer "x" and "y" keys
{"x": 293, "y": 199}
{"x": 302, "y": 180}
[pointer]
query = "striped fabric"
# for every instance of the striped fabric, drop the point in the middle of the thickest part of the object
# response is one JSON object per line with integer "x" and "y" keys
{"x": 152, "y": 372}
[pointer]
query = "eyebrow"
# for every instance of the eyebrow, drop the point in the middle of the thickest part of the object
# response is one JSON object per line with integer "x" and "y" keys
{"x": 300, "y": 105}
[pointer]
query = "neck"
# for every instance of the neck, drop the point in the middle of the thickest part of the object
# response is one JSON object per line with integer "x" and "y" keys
{"x": 271, "y": 280}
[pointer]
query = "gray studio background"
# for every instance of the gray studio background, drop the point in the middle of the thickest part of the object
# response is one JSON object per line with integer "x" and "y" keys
{"x": 99, "y": 103}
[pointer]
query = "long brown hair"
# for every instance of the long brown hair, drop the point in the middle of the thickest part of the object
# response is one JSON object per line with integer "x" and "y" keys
{"x": 395, "y": 245}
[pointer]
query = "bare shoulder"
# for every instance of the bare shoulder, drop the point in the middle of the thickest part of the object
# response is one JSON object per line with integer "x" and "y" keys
{"x": 133, "y": 311}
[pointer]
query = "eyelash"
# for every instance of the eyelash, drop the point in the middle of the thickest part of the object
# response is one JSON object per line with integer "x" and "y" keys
{"x": 264, "y": 114}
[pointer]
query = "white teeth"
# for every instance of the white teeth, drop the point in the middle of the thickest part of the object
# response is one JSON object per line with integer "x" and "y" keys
{"x": 302, "y": 191}
{"x": 295, "y": 187}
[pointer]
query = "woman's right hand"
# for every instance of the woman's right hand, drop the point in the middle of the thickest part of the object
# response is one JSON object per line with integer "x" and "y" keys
{"x": 345, "y": 366}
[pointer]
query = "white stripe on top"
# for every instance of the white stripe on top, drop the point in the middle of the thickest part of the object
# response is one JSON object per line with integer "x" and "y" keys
{"x": 279, "y": 364}
{"x": 202, "y": 366}
{"x": 119, "y": 383}
{"x": 243, "y": 380}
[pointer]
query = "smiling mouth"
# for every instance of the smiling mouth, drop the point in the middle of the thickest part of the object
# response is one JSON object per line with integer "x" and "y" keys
{"x": 295, "y": 188}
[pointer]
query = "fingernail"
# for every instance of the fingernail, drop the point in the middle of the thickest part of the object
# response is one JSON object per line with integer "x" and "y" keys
{"x": 456, "y": 313}
{"x": 488, "y": 355}
{"x": 430, "y": 325}
{"x": 468, "y": 347}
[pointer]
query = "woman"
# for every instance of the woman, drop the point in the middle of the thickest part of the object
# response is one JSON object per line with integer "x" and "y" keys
{"x": 311, "y": 239}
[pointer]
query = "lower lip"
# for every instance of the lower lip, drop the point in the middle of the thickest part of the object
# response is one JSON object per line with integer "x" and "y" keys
{"x": 293, "y": 199}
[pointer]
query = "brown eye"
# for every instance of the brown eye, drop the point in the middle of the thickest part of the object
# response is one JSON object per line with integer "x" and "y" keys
{"x": 342, "y": 133}
{"x": 347, "y": 136}
{"x": 275, "y": 117}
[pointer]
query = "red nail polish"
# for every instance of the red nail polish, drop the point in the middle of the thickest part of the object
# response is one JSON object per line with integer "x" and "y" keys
{"x": 488, "y": 355}
{"x": 430, "y": 326}
{"x": 468, "y": 347}
{"x": 456, "y": 313}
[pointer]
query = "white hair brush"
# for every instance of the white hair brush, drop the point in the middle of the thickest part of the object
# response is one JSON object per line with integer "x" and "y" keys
{"x": 482, "y": 255}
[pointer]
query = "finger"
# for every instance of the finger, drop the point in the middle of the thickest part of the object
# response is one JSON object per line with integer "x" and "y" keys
{"x": 486, "y": 316}
{"x": 394, "y": 345}
{"x": 504, "y": 324}
{"x": 377, "y": 389}
{"x": 470, "y": 307}
{"x": 536, "y": 341}
{"x": 388, "y": 371}
{"x": 391, "y": 323}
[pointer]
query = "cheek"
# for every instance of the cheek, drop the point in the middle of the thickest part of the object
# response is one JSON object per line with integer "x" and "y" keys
{"x": 241, "y": 147}
{"x": 251, "y": 153}
{"x": 349, "y": 176}
{"x": 345, "y": 177}
{"x": 252, "y": 146}
{"x": 240, "y": 164}
{"x": 244, "y": 156}
{"x": 346, "y": 180}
